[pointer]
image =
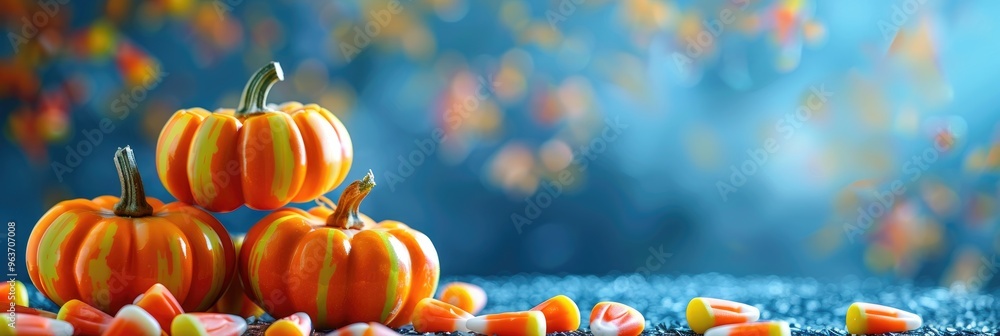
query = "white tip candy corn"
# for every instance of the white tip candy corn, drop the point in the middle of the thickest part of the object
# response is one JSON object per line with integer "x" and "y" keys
{"x": 616, "y": 319}
{"x": 704, "y": 313}
{"x": 870, "y": 318}
{"x": 468, "y": 297}
{"x": 430, "y": 315}
{"x": 208, "y": 324}
{"x": 561, "y": 314}
{"x": 26, "y": 324}
{"x": 524, "y": 323}
{"x": 767, "y": 328}
{"x": 86, "y": 319}
{"x": 364, "y": 329}
{"x": 161, "y": 304}
{"x": 298, "y": 324}
{"x": 133, "y": 321}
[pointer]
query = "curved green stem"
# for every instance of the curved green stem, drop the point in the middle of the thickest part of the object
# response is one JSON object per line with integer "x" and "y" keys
{"x": 133, "y": 201}
{"x": 346, "y": 214}
{"x": 254, "y": 98}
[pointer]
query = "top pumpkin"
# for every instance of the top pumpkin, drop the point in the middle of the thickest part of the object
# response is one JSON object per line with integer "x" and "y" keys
{"x": 258, "y": 155}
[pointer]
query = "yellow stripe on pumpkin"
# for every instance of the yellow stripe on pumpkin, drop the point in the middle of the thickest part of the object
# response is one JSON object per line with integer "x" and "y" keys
{"x": 325, "y": 274}
{"x": 218, "y": 253}
{"x": 173, "y": 132}
{"x": 53, "y": 239}
{"x": 207, "y": 143}
{"x": 98, "y": 269}
{"x": 283, "y": 159}
{"x": 170, "y": 273}
{"x": 257, "y": 253}
{"x": 393, "y": 281}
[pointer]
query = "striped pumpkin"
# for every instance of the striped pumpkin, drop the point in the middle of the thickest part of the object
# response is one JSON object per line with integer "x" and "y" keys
{"x": 256, "y": 155}
{"x": 234, "y": 300}
{"x": 338, "y": 265}
{"x": 107, "y": 251}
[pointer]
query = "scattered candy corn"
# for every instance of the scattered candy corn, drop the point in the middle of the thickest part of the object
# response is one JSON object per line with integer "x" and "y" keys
{"x": 205, "y": 324}
{"x": 298, "y": 324}
{"x": 769, "y": 328}
{"x": 364, "y": 329}
{"x": 525, "y": 323}
{"x": 870, "y": 318}
{"x": 32, "y": 311}
{"x": 86, "y": 319}
{"x": 18, "y": 290}
{"x": 430, "y": 315}
{"x": 613, "y": 318}
{"x": 468, "y": 297}
{"x": 161, "y": 304}
{"x": 561, "y": 314}
{"x": 704, "y": 313}
{"x": 35, "y": 325}
{"x": 133, "y": 321}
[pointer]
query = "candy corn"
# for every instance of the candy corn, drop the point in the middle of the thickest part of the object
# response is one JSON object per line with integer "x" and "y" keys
{"x": 161, "y": 304}
{"x": 205, "y": 324}
{"x": 616, "y": 319}
{"x": 468, "y": 297}
{"x": 430, "y": 315}
{"x": 17, "y": 290}
{"x": 298, "y": 324}
{"x": 561, "y": 314}
{"x": 86, "y": 319}
{"x": 769, "y": 328}
{"x": 24, "y": 324}
{"x": 133, "y": 321}
{"x": 704, "y": 313}
{"x": 364, "y": 329}
{"x": 870, "y": 318}
{"x": 525, "y": 323}
{"x": 32, "y": 311}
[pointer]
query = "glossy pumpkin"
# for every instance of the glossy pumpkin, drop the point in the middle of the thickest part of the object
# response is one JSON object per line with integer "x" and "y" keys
{"x": 258, "y": 155}
{"x": 337, "y": 265}
{"x": 234, "y": 300}
{"x": 107, "y": 251}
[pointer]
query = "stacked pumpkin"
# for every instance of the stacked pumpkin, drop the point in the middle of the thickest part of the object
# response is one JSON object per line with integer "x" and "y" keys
{"x": 332, "y": 264}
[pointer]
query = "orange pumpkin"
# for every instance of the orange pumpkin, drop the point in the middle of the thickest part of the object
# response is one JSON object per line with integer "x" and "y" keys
{"x": 261, "y": 156}
{"x": 107, "y": 251}
{"x": 234, "y": 300}
{"x": 337, "y": 265}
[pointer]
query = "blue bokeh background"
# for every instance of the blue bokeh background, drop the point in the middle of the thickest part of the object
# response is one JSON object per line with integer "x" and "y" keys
{"x": 559, "y": 72}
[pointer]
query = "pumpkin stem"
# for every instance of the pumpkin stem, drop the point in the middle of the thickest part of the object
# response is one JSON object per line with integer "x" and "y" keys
{"x": 254, "y": 98}
{"x": 346, "y": 214}
{"x": 133, "y": 200}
